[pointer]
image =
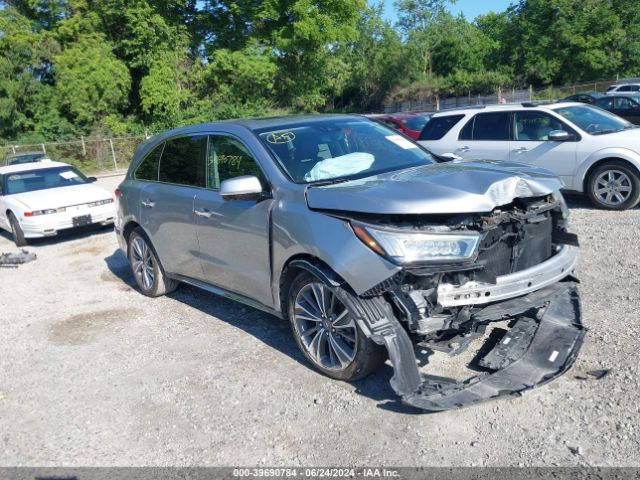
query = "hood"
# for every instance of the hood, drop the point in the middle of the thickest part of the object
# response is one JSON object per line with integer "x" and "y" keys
{"x": 466, "y": 187}
{"x": 631, "y": 135}
{"x": 62, "y": 196}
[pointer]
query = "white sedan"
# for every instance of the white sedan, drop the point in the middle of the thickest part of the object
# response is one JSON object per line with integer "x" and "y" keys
{"x": 39, "y": 199}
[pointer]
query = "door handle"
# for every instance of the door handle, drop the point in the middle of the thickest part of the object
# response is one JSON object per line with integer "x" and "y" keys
{"x": 148, "y": 203}
{"x": 521, "y": 150}
{"x": 464, "y": 149}
{"x": 205, "y": 213}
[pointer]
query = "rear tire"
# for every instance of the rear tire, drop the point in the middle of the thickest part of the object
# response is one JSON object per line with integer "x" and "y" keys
{"x": 328, "y": 335}
{"x": 17, "y": 232}
{"x": 614, "y": 185}
{"x": 147, "y": 271}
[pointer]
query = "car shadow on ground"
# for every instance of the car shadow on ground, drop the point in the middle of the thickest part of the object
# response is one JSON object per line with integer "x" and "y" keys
{"x": 576, "y": 201}
{"x": 267, "y": 328}
{"x": 78, "y": 233}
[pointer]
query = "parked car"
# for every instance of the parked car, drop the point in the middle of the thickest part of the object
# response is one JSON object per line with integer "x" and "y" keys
{"x": 25, "y": 157}
{"x": 623, "y": 88}
{"x": 363, "y": 241}
{"x": 40, "y": 199}
{"x": 410, "y": 124}
{"x": 625, "y": 106}
{"x": 591, "y": 150}
{"x": 585, "y": 97}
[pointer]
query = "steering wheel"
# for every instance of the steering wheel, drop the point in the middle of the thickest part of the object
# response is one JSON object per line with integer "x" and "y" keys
{"x": 592, "y": 127}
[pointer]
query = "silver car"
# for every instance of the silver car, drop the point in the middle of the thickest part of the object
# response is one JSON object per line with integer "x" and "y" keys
{"x": 367, "y": 245}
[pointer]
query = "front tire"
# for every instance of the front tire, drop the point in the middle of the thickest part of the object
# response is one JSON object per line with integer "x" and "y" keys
{"x": 16, "y": 231}
{"x": 326, "y": 332}
{"x": 614, "y": 185}
{"x": 147, "y": 271}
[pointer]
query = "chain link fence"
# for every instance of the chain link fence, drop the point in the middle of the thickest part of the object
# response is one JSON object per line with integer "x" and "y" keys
{"x": 91, "y": 155}
{"x": 549, "y": 94}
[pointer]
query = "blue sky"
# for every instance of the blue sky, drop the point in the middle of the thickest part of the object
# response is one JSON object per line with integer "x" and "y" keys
{"x": 470, "y": 8}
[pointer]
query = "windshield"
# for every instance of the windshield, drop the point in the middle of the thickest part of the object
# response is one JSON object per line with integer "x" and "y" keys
{"x": 42, "y": 179}
{"x": 594, "y": 120}
{"x": 25, "y": 158}
{"x": 415, "y": 123}
{"x": 335, "y": 149}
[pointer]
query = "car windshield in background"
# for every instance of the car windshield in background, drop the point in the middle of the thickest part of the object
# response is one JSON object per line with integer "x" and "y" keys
{"x": 594, "y": 120}
{"x": 25, "y": 158}
{"x": 42, "y": 179}
{"x": 415, "y": 123}
{"x": 321, "y": 150}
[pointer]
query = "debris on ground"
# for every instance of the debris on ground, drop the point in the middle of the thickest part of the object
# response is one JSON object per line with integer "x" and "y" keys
{"x": 596, "y": 374}
{"x": 12, "y": 260}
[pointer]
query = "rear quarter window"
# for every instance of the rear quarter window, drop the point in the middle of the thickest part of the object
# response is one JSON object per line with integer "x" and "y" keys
{"x": 437, "y": 127}
{"x": 148, "y": 168}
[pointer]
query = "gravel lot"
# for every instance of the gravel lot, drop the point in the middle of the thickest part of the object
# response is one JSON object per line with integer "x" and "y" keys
{"x": 94, "y": 374}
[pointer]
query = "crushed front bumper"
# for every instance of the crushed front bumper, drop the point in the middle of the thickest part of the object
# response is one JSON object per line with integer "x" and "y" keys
{"x": 541, "y": 345}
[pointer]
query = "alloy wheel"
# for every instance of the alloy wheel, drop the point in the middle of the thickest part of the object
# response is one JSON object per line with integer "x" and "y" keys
{"x": 612, "y": 187}
{"x": 142, "y": 263}
{"x": 325, "y": 327}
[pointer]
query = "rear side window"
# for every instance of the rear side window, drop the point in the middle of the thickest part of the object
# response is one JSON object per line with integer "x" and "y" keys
{"x": 438, "y": 127}
{"x": 182, "y": 161}
{"x": 148, "y": 168}
{"x": 488, "y": 126}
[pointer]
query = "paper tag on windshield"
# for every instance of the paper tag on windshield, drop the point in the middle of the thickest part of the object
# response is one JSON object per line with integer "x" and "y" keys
{"x": 68, "y": 175}
{"x": 401, "y": 141}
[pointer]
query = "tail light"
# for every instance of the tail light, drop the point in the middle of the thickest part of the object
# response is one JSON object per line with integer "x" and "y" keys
{"x": 117, "y": 193}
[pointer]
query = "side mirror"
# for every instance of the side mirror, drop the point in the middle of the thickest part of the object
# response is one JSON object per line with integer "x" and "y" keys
{"x": 451, "y": 157}
{"x": 92, "y": 179}
{"x": 246, "y": 187}
{"x": 559, "y": 136}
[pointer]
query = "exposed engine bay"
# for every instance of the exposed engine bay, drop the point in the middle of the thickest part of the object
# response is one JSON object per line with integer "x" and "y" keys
{"x": 521, "y": 274}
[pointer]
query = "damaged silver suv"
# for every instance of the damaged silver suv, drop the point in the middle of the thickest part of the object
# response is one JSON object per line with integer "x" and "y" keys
{"x": 367, "y": 245}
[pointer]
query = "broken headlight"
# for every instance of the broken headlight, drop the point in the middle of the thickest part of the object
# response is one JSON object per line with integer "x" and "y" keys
{"x": 404, "y": 247}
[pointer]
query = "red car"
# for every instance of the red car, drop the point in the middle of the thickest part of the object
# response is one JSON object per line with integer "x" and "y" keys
{"x": 410, "y": 124}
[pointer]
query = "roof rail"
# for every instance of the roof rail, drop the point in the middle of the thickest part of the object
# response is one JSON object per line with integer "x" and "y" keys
{"x": 455, "y": 109}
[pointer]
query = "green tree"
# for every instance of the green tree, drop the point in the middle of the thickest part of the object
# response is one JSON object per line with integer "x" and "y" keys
{"x": 90, "y": 81}
{"x": 561, "y": 41}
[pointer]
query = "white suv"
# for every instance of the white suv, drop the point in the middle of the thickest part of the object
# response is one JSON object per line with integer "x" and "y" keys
{"x": 591, "y": 150}
{"x": 628, "y": 88}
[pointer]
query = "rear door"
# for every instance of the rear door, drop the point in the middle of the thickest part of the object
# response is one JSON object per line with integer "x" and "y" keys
{"x": 531, "y": 143}
{"x": 233, "y": 235}
{"x": 166, "y": 206}
{"x": 486, "y": 136}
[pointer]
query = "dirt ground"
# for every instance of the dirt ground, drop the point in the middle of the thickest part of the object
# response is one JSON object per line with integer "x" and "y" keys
{"x": 94, "y": 374}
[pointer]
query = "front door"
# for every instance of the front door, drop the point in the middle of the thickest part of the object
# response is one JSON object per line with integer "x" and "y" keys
{"x": 233, "y": 235}
{"x": 627, "y": 108}
{"x": 531, "y": 143}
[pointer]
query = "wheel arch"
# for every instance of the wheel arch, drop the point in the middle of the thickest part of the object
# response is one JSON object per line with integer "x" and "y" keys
{"x": 130, "y": 226}
{"x": 603, "y": 160}
{"x": 305, "y": 263}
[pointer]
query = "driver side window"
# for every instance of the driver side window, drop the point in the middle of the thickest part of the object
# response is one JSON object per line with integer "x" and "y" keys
{"x": 536, "y": 126}
{"x": 228, "y": 158}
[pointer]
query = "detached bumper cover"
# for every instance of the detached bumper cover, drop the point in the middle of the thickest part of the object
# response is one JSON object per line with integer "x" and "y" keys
{"x": 541, "y": 346}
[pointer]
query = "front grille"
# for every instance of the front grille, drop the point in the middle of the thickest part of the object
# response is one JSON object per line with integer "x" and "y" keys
{"x": 512, "y": 247}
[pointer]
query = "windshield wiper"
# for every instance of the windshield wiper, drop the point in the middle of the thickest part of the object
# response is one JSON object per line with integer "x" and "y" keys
{"x": 332, "y": 181}
{"x": 614, "y": 130}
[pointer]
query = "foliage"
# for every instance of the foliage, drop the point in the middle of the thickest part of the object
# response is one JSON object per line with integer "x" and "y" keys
{"x": 73, "y": 67}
